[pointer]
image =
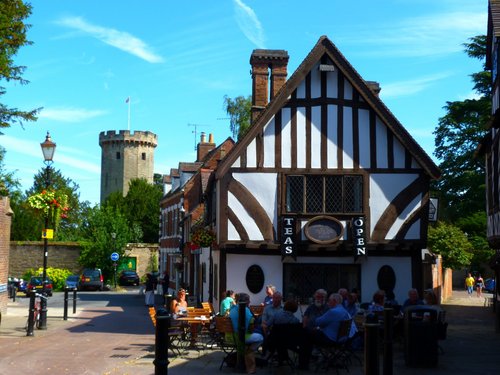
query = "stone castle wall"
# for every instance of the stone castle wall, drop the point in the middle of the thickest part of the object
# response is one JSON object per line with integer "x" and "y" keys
{"x": 125, "y": 156}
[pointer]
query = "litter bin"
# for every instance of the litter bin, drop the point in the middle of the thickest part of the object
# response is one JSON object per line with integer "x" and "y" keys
{"x": 421, "y": 336}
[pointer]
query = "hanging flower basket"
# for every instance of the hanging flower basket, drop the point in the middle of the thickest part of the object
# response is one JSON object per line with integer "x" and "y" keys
{"x": 50, "y": 203}
{"x": 203, "y": 237}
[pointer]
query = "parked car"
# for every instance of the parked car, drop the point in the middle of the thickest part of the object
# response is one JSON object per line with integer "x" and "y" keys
{"x": 128, "y": 278}
{"x": 91, "y": 278}
{"x": 489, "y": 285}
{"x": 72, "y": 282}
{"x": 35, "y": 283}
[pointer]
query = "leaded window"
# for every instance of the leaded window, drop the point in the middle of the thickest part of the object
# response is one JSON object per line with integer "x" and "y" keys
{"x": 315, "y": 194}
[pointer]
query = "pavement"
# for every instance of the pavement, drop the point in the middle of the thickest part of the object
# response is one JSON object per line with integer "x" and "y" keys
{"x": 118, "y": 340}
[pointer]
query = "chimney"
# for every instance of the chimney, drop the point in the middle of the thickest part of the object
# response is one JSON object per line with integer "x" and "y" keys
{"x": 374, "y": 86}
{"x": 205, "y": 147}
{"x": 261, "y": 61}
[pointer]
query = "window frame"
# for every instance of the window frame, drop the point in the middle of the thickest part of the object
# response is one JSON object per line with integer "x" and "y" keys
{"x": 304, "y": 211}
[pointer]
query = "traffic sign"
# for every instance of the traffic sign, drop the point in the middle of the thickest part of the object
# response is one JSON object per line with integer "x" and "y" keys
{"x": 114, "y": 257}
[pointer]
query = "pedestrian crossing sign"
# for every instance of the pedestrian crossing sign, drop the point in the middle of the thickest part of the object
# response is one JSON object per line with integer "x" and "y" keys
{"x": 48, "y": 234}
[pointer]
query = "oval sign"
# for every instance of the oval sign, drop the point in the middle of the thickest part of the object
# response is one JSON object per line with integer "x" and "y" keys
{"x": 324, "y": 230}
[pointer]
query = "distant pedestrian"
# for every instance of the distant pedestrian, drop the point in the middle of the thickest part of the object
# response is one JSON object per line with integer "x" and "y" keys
{"x": 469, "y": 284}
{"x": 479, "y": 286}
{"x": 149, "y": 295}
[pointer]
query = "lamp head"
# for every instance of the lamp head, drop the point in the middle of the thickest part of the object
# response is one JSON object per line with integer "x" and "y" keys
{"x": 48, "y": 148}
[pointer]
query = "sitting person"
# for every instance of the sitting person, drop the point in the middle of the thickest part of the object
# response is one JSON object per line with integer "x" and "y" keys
{"x": 290, "y": 337}
{"x": 270, "y": 311}
{"x": 268, "y": 299}
{"x": 430, "y": 298}
{"x": 413, "y": 299}
{"x": 327, "y": 328}
{"x": 227, "y": 302}
{"x": 377, "y": 304}
{"x": 179, "y": 304}
{"x": 252, "y": 339}
{"x": 351, "y": 304}
{"x": 314, "y": 311}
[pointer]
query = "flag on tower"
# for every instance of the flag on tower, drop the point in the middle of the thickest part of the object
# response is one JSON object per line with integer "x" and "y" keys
{"x": 128, "y": 99}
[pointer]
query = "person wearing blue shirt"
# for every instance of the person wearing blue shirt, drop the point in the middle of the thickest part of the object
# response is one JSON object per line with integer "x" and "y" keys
{"x": 252, "y": 339}
{"x": 327, "y": 328}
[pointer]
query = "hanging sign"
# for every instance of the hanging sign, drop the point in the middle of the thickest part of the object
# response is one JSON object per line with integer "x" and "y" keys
{"x": 359, "y": 236}
{"x": 48, "y": 234}
{"x": 288, "y": 247}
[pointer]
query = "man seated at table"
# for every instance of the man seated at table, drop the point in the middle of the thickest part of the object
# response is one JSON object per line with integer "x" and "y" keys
{"x": 252, "y": 339}
{"x": 290, "y": 338}
{"x": 317, "y": 309}
{"x": 327, "y": 328}
{"x": 413, "y": 299}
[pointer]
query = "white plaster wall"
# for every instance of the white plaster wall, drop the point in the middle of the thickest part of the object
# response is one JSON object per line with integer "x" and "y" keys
{"x": 383, "y": 188}
{"x": 381, "y": 134}
{"x": 286, "y": 138}
{"x": 301, "y": 138}
{"x": 348, "y": 140}
{"x": 251, "y": 227}
{"x": 315, "y": 82}
{"x": 332, "y": 140}
{"x": 252, "y": 154}
{"x": 205, "y": 259}
{"x": 347, "y": 89}
{"x": 216, "y": 260}
{"x": 237, "y": 266}
{"x": 264, "y": 188}
{"x": 332, "y": 86}
{"x": 414, "y": 233}
{"x": 316, "y": 137}
{"x": 369, "y": 270}
{"x": 399, "y": 154}
{"x": 269, "y": 140}
{"x": 364, "y": 138}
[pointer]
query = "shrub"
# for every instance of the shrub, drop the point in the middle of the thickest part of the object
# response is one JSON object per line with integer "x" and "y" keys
{"x": 57, "y": 275}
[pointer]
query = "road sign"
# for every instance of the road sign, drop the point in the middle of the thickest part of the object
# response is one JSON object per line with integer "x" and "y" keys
{"x": 48, "y": 233}
{"x": 114, "y": 257}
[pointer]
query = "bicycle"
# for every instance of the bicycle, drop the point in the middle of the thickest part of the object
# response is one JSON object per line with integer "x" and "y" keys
{"x": 36, "y": 312}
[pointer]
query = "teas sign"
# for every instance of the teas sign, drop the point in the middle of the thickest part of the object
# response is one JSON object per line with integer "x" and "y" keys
{"x": 359, "y": 236}
{"x": 288, "y": 247}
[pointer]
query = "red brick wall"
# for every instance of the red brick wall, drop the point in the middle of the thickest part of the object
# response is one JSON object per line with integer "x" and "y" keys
{"x": 5, "y": 222}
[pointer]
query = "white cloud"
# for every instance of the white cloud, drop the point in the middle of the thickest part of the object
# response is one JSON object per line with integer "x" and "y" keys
{"x": 410, "y": 87}
{"x": 119, "y": 39}
{"x": 421, "y": 36}
{"x": 249, "y": 24}
{"x": 32, "y": 148}
{"x": 70, "y": 114}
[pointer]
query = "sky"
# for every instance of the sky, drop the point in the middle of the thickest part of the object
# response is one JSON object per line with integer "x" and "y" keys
{"x": 176, "y": 60}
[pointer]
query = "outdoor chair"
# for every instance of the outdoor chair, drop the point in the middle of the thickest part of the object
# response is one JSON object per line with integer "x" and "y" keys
{"x": 283, "y": 340}
{"x": 337, "y": 354}
{"x": 226, "y": 338}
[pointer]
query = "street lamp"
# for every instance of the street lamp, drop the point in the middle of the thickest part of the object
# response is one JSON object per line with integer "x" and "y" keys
{"x": 113, "y": 236}
{"x": 48, "y": 149}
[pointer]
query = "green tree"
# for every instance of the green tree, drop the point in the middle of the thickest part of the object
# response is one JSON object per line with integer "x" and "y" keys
{"x": 12, "y": 37}
{"x": 239, "y": 110}
{"x": 461, "y": 188}
{"x": 99, "y": 243}
{"x": 28, "y": 224}
{"x": 142, "y": 204}
{"x": 452, "y": 244}
{"x": 8, "y": 182}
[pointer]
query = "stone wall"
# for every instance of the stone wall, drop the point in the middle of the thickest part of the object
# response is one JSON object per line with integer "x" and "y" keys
{"x": 29, "y": 254}
{"x": 5, "y": 222}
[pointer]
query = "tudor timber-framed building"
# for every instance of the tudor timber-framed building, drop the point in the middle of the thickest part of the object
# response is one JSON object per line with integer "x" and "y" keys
{"x": 491, "y": 145}
{"x": 327, "y": 189}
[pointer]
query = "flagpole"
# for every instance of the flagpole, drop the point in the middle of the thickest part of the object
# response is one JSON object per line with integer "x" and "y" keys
{"x": 128, "y": 124}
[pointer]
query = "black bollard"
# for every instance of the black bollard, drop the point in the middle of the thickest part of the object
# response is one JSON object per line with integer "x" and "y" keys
{"x": 240, "y": 359}
{"x": 372, "y": 328}
{"x": 31, "y": 315}
{"x": 14, "y": 293}
{"x": 162, "y": 341}
{"x": 74, "y": 301}
{"x": 387, "y": 361}
{"x": 65, "y": 313}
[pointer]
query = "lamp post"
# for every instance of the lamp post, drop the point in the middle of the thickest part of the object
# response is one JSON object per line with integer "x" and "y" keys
{"x": 48, "y": 149}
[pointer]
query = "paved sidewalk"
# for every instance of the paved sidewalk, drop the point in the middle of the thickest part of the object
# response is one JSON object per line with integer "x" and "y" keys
{"x": 116, "y": 340}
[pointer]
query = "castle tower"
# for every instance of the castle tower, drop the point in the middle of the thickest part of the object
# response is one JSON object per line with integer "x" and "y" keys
{"x": 125, "y": 156}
